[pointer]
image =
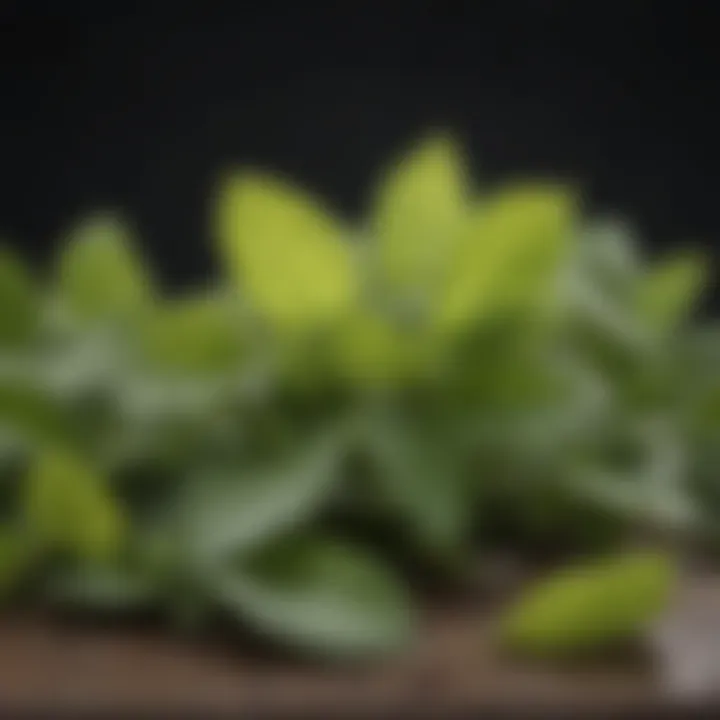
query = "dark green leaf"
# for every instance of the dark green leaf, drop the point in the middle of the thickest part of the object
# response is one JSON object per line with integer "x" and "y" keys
{"x": 422, "y": 476}
{"x": 320, "y": 596}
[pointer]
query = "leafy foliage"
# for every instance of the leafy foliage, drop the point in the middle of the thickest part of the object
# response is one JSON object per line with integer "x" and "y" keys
{"x": 468, "y": 367}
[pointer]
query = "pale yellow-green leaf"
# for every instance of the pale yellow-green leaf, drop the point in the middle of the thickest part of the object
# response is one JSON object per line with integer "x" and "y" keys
{"x": 70, "y": 508}
{"x": 19, "y": 308}
{"x": 588, "y": 608}
{"x": 418, "y": 207}
{"x": 668, "y": 292}
{"x": 509, "y": 255}
{"x": 286, "y": 251}
{"x": 100, "y": 274}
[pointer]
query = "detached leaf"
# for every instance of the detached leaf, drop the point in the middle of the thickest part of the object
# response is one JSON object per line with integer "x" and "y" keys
{"x": 417, "y": 211}
{"x": 669, "y": 292}
{"x": 19, "y": 308}
{"x": 233, "y": 511}
{"x": 509, "y": 255}
{"x": 589, "y": 608}
{"x": 291, "y": 256}
{"x": 322, "y": 597}
{"x": 69, "y": 508}
{"x": 100, "y": 276}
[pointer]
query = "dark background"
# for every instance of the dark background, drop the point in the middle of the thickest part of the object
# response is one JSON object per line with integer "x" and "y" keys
{"x": 141, "y": 106}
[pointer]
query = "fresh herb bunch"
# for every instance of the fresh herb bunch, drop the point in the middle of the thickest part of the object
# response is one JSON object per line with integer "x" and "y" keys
{"x": 466, "y": 367}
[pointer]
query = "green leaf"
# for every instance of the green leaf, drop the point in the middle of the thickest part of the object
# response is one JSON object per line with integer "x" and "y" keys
{"x": 509, "y": 255}
{"x": 421, "y": 477}
{"x": 670, "y": 290}
{"x": 652, "y": 488}
{"x": 417, "y": 210}
{"x": 19, "y": 307}
{"x": 322, "y": 597}
{"x": 231, "y": 511}
{"x": 589, "y": 608}
{"x": 288, "y": 254}
{"x": 606, "y": 319}
{"x": 195, "y": 334}
{"x": 69, "y": 508}
{"x": 100, "y": 276}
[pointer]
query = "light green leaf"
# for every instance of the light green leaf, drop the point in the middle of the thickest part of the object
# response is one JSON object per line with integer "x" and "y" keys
{"x": 232, "y": 511}
{"x": 669, "y": 291}
{"x": 99, "y": 274}
{"x": 322, "y": 597}
{"x": 19, "y": 307}
{"x": 509, "y": 255}
{"x": 288, "y": 253}
{"x": 69, "y": 508}
{"x": 417, "y": 211}
{"x": 588, "y": 608}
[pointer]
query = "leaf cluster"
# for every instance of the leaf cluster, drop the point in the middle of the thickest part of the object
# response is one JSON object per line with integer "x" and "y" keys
{"x": 467, "y": 366}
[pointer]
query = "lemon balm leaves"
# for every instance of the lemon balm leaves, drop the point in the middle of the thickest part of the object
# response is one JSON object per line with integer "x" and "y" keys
{"x": 69, "y": 508}
{"x": 588, "y": 608}
{"x": 509, "y": 254}
{"x": 417, "y": 209}
{"x": 288, "y": 254}
{"x": 100, "y": 276}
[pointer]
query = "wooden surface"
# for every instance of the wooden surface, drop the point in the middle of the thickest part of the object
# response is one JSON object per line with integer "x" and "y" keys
{"x": 45, "y": 664}
{"x": 49, "y": 664}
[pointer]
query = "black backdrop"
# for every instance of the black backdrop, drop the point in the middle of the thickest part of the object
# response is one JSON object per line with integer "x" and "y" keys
{"x": 141, "y": 106}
